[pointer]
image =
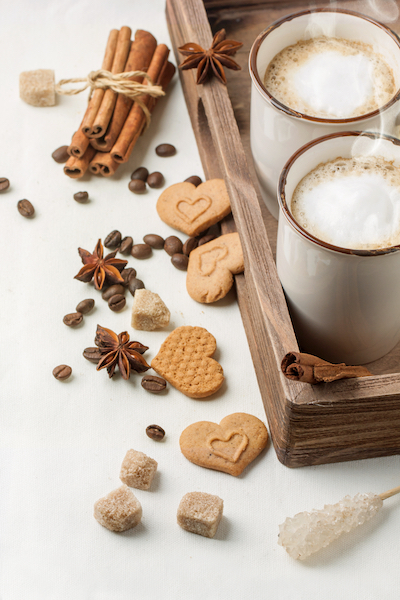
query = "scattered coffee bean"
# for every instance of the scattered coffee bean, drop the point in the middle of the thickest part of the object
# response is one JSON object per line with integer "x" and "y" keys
{"x": 113, "y": 239}
{"x": 190, "y": 244}
{"x": 194, "y": 179}
{"x": 155, "y": 180}
{"x": 141, "y": 251}
{"x": 135, "y": 284}
{"x": 117, "y": 302}
{"x": 155, "y": 432}
{"x": 206, "y": 238}
{"x": 61, "y": 154}
{"x": 73, "y": 319}
{"x": 4, "y": 184}
{"x": 117, "y": 288}
{"x": 92, "y": 354}
{"x": 180, "y": 261}
{"x": 173, "y": 245}
{"x": 126, "y": 245}
{"x": 165, "y": 150}
{"x": 127, "y": 274}
{"x": 81, "y": 197}
{"x": 152, "y": 383}
{"x": 140, "y": 173}
{"x": 137, "y": 186}
{"x": 155, "y": 241}
{"x": 25, "y": 208}
{"x": 85, "y": 306}
{"x": 62, "y": 372}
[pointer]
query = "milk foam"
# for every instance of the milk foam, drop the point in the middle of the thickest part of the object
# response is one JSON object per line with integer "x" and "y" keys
{"x": 330, "y": 78}
{"x": 351, "y": 203}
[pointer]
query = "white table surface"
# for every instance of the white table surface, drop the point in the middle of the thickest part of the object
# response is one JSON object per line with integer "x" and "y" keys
{"x": 62, "y": 444}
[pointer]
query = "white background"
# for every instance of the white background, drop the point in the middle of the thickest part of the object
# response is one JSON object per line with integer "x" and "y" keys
{"x": 62, "y": 444}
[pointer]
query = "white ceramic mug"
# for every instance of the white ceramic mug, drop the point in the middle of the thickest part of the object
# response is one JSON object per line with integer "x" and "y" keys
{"x": 344, "y": 303}
{"x": 276, "y": 131}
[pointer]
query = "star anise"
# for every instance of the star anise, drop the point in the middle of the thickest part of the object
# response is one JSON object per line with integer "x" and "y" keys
{"x": 118, "y": 350}
{"x": 99, "y": 268}
{"x": 212, "y": 61}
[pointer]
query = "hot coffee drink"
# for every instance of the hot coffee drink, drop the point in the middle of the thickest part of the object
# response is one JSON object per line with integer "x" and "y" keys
{"x": 351, "y": 203}
{"x": 330, "y": 78}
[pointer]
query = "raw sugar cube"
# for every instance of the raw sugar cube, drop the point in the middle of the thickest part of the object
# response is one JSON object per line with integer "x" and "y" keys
{"x": 119, "y": 510}
{"x": 149, "y": 311}
{"x": 200, "y": 513}
{"x": 37, "y": 87}
{"x": 138, "y": 470}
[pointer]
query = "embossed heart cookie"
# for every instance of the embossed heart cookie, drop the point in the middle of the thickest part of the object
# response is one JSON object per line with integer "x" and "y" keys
{"x": 212, "y": 266}
{"x": 184, "y": 360}
{"x": 192, "y": 209}
{"x": 228, "y": 447}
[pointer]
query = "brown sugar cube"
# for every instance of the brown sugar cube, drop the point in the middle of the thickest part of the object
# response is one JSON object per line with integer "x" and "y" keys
{"x": 138, "y": 470}
{"x": 149, "y": 311}
{"x": 37, "y": 87}
{"x": 119, "y": 510}
{"x": 200, "y": 513}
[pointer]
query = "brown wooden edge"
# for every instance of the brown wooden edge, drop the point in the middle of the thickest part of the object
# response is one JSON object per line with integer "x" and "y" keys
{"x": 308, "y": 424}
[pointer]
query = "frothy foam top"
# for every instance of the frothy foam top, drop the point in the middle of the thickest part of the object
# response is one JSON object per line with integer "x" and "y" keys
{"x": 351, "y": 203}
{"x": 330, "y": 78}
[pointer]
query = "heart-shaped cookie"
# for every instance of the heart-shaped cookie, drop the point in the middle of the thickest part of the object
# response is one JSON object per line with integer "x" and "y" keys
{"x": 212, "y": 266}
{"x": 229, "y": 446}
{"x": 184, "y": 360}
{"x": 192, "y": 209}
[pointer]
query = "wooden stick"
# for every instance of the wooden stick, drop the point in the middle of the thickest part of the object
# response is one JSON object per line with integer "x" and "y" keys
{"x": 390, "y": 493}
{"x": 76, "y": 167}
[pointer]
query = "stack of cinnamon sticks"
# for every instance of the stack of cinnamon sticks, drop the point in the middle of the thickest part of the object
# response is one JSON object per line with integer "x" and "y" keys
{"x": 113, "y": 122}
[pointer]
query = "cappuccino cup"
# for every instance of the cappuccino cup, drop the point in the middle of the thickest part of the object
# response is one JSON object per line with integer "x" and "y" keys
{"x": 315, "y": 73}
{"x": 339, "y": 259}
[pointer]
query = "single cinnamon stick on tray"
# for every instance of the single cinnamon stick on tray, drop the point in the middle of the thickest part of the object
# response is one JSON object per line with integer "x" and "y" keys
{"x": 139, "y": 59}
{"x": 105, "y": 111}
{"x": 76, "y": 167}
{"x": 307, "y": 368}
{"x": 103, "y": 164}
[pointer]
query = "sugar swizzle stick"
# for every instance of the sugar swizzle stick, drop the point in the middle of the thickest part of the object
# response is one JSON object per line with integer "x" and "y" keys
{"x": 308, "y": 532}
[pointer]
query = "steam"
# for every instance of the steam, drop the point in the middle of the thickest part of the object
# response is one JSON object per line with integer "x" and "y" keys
{"x": 385, "y": 11}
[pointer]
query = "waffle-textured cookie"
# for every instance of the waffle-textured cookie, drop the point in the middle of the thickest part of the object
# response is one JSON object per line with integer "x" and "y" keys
{"x": 184, "y": 360}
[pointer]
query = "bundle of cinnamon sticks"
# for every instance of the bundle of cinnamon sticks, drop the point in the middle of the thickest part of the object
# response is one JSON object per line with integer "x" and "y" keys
{"x": 113, "y": 122}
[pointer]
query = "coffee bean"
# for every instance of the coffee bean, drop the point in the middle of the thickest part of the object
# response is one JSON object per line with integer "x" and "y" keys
{"x": 153, "y": 240}
{"x": 92, "y": 354}
{"x": 126, "y": 245}
{"x": 155, "y": 432}
{"x": 194, "y": 179}
{"x": 117, "y": 302}
{"x": 61, "y": 154}
{"x": 137, "y": 186}
{"x": 152, "y": 383}
{"x": 165, "y": 150}
{"x": 135, "y": 284}
{"x": 25, "y": 208}
{"x": 62, "y": 372}
{"x": 155, "y": 180}
{"x": 173, "y": 245}
{"x": 190, "y": 244}
{"x": 117, "y": 288}
{"x": 81, "y": 197}
{"x": 113, "y": 239}
{"x": 4, "y": 184}
{"x": 206, "y": 238}
{"x": 140, "y": 173}
{"x": 85, "y": 306}
{"x": 180, "y": 261}
{"x": 127, "y": 274}
{"x": 141, "y": 251}
{"x": 73, "y": 319}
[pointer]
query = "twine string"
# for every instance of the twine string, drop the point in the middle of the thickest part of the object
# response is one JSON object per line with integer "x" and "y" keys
{"x": 120, "y": 83}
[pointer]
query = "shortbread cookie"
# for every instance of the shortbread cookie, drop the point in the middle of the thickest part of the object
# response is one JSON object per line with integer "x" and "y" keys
{"x": 184, "y": 360}
{"x": 228, "y": 447}
{"x": 212, "y": 266}
{"x": 192, "y": 209}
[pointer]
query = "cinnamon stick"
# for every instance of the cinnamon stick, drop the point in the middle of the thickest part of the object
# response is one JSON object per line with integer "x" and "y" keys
{"x": 105, "y": 111}
{"x": 135, "y": 120}
{"x": 76, "y": 167}
{"x": 103, "y": 164}
{"x": 307, "y": 368}
{"x": 139, "y": 59}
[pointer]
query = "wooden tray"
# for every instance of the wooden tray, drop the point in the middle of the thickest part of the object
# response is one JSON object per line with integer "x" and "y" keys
{"x": 345, "y": 420}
